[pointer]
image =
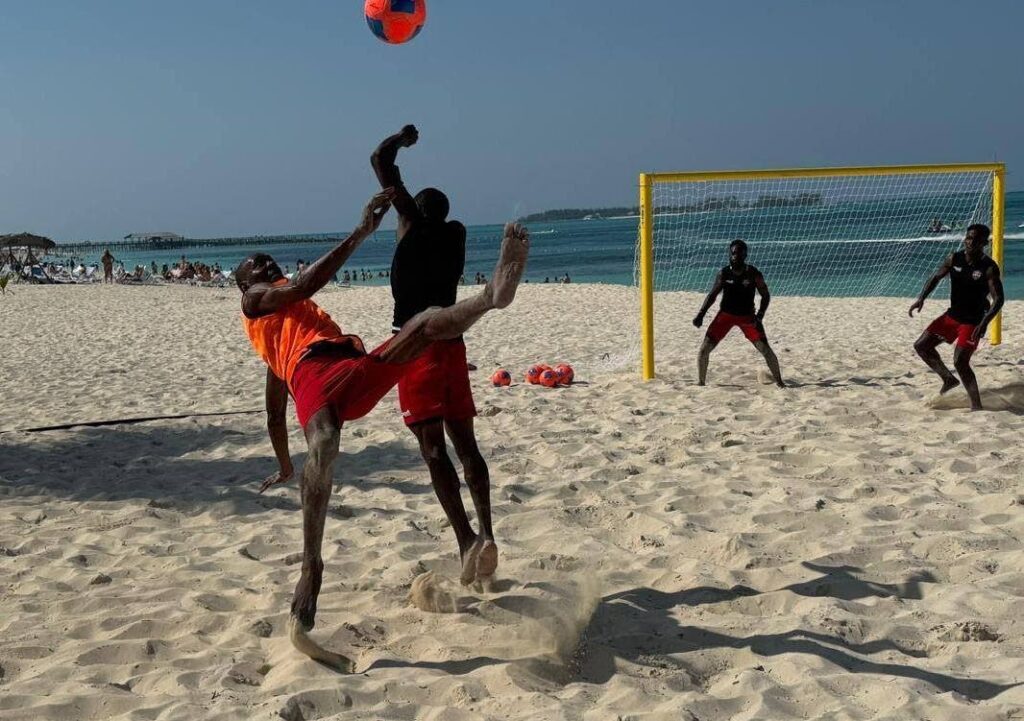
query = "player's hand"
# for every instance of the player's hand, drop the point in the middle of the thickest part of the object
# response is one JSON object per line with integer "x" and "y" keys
{"x": 409, "y": 135}
{"x": 375, "y": 210}
{"x": 978, "y": 334}
{"x": 278, "y": 478}
{"x": 918, "y": 305}
{"x": 698, "y": 320}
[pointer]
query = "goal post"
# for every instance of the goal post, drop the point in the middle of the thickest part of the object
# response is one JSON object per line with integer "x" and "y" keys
{"x": 857, "y": 231}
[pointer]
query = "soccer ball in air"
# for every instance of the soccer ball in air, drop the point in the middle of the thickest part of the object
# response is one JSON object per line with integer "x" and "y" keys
{"x": 501, "y": 377}
{"x": 396, "y": 21}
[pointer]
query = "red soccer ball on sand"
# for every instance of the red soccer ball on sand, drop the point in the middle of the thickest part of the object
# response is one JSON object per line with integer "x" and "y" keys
{"x": 395, "y": 21}
{"x": 549, "y": 379}
{"x": 533, "y": 374}
{"x": 501, "y": 377}
{"x": 565, "y": 373}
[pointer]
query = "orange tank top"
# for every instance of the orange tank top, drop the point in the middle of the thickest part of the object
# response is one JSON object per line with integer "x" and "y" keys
{"x": 282, "y": 338}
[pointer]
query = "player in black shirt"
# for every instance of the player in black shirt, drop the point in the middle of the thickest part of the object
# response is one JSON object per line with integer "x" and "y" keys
{"x": 973, "y": 280}
{"x": 737, "y": 283}
{"x": 435, "y": 396}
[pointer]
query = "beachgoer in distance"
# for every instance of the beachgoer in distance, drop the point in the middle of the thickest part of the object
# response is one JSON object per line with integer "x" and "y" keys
{"x": 333, "y": 379}
{"x": 107, "y": 259}
{"x": 973, "y": 279}
{"x": 737, "y": 283}
{"x": 435, "y": 395}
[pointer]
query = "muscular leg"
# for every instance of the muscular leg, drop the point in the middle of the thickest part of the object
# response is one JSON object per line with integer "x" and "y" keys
{"x": 445, "y": 480}
{"x": 322, "y": 436}
{"x": 703, "y": 356}
{"x": 323, "y": 433}
{"x": 772, "y": 360}
{"x": 451, "y": 322}
{"x": 962, "y": 363}
{"x": 478, "y": 478}
{"x": 926, "y": 348}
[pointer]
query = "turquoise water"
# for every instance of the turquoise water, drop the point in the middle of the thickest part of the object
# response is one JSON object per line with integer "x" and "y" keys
{"x": 855, "y": 253}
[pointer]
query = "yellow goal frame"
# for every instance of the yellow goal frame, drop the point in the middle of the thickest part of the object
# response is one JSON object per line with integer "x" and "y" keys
{"x": 649, "y": 180}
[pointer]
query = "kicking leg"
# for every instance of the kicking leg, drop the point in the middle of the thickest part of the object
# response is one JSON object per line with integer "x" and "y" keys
{"x": 926, "y": 347}
{"x": 772, "y": 360}
{"x": 323, "y": 434}
{"x": 451, "y": 322}
{"x": 962, "y": 363}
{"x": 478, "y": 479}
{"x": 703, "y": 357}
{"x": 445, "y": 480}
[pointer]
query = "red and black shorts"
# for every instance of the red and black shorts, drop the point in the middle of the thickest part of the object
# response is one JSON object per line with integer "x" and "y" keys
{"x": 953, "y": 331}
{"x": 725, "y": 322}
{"x": 436, "y": 385}
{"x": 350, "y": 381}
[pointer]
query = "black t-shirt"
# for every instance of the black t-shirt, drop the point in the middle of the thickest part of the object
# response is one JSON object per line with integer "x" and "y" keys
{"x": 968, "y": 288}
{"x": 426, "y": 268}
{"x": 738, "y": 290}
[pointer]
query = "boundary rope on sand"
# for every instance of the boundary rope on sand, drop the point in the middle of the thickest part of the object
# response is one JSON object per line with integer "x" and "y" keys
{"x": 126, "y": 421}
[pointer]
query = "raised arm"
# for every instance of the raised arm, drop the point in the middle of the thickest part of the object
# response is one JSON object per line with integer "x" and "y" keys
{"x": 698, "y": 321}
{"x": 264, "y": 299}
{"x": 277, "y": 427}
{"x": 383, "y": 162}
{"x": 932, "y": 283}
{"x": 762, "y": 289}
{"x": 995, "y": 290}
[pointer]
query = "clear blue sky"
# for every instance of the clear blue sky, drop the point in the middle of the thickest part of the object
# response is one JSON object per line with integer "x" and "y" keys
{"x": 230, "y": 117}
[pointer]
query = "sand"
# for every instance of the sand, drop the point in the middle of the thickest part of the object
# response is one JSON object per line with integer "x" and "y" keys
{"x": 845, "y": 549}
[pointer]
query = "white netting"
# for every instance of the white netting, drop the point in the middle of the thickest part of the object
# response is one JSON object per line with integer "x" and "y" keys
{"x": 839, "y": 235}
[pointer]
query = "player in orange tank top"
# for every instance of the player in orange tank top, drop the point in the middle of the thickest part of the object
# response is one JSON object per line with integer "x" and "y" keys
{"x": 333, "y": 379}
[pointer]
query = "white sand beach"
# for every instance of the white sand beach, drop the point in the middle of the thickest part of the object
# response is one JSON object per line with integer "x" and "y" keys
{"x": 848, "y": 548}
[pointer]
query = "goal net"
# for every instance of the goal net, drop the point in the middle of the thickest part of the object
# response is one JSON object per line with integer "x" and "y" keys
{"x": 813, "y": 232}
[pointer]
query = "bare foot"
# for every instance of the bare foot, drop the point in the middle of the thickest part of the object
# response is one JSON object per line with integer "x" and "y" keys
{"x": 948, "y": 385}
{"x": 515, "y": 247}
{"x": 298, "y": 634}
{"x": 469, "y": 560}
{"x": 487, "y": 561}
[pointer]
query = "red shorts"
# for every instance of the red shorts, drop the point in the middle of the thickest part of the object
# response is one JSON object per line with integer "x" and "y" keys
{"x": 951, "y": 330}
{"x": 437, "y": 385}
{"x": 348, "y": 380}
{"x": 725, "y": 322}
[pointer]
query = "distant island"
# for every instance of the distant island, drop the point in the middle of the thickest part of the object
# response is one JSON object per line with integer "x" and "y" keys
{"x": 706, "y": 205}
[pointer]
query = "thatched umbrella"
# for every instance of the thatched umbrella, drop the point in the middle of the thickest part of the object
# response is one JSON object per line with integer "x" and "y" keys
{"x": 28, "y": 241}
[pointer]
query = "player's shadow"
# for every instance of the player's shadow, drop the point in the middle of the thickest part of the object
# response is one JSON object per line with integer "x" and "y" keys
{"x": 183, "y": 464}
{"x": 637, "y": 625}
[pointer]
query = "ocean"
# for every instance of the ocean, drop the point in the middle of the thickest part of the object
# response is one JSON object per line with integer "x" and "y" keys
{"x": 859, "y": 256}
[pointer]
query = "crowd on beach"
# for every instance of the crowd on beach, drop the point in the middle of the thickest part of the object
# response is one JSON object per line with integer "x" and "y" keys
{"x": 185, "y": 272}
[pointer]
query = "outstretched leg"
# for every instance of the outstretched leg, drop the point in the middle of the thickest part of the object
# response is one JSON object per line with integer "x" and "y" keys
{"x": 962, "y": 363}
{"x": 323, "y": 433}
{"x": 445, "y": 480}
{"x": 926, "y": 347}
{"x": 703, "y": 357}
{"x": 478, "y": 479}
{"x": 451, "y": 322}
{"x": 772, "y": 360}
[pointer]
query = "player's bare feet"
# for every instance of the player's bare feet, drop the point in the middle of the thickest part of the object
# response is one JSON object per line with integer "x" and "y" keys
{"x": 487, "y": 561}
{"x": 298, "y": 633}
{"x": 949, "y": 384}
{"x": 469, "y": 559}
{"x": 515, "y": 247}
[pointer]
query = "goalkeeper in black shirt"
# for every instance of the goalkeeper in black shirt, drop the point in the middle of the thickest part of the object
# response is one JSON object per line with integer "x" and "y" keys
{"x": 973, "y": 279}
{"x": 737, "y": 283}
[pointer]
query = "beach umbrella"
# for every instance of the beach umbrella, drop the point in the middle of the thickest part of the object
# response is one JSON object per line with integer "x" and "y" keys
{"x": 27, "y": 240}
